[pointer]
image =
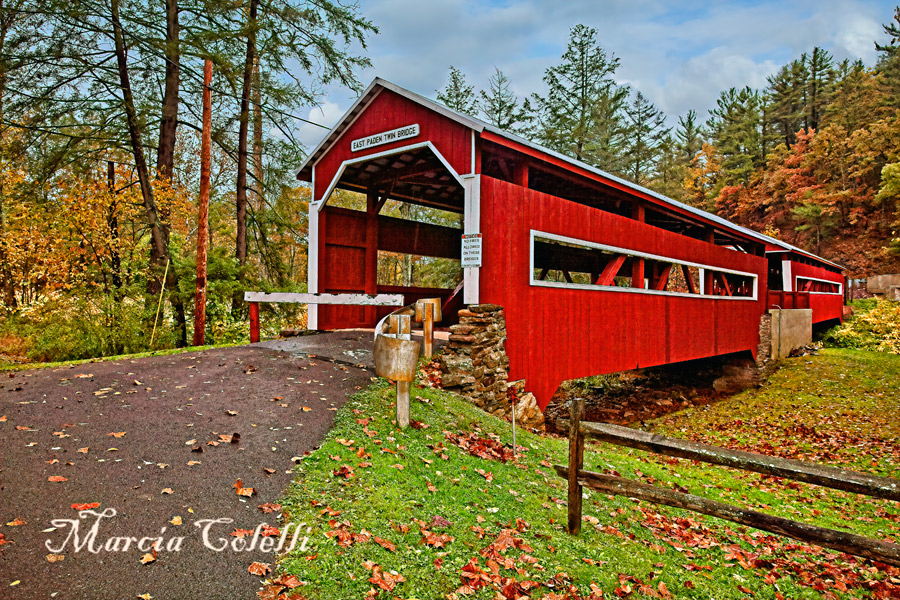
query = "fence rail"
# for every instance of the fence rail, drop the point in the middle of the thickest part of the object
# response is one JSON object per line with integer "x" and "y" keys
{"x": 842, "y": 479}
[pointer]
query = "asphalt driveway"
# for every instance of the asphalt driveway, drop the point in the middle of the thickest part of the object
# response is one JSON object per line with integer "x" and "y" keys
{"x": 149, "y": 439}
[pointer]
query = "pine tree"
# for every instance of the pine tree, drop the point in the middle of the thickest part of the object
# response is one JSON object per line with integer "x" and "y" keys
{"x": 855, "y": 96}
{"x": 688, "y": 137}
{"x": 888, "y": 66}
{"x": 581, "y": 115}
{"x": 500, "y": 106}
{"x": 457, "y": 94}
{"x": 819, "y": 86}
{"x": 787, "y": 99}
{"x": 646, "y": 130}
{"x": 740, "y": 133}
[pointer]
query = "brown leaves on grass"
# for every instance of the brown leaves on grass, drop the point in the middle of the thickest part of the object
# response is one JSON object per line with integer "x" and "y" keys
{"x": 487, "y": 448}
{"x": 344, "y": 471}
{"x": 385, "y": 581}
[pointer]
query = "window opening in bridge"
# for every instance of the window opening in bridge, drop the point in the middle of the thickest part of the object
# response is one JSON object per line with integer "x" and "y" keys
{"x": 559, "y": 261}
{"x": 818, "y": 286}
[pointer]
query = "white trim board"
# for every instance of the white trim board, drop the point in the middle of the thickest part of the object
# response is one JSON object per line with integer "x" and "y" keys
{"x": 631, "y": 290}
{"x": 840, "y": 284}
{"x": 320, "y": 202}
{"x": 347, "y": 299}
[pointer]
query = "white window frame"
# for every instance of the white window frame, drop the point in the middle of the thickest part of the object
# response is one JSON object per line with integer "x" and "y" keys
{"x": 840, "y": 285}
{"x": 635, "y": 253}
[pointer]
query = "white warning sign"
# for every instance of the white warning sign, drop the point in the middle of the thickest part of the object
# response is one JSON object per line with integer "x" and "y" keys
{"x": 471, "y": 250}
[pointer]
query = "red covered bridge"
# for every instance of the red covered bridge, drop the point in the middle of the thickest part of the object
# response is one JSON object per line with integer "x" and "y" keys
{"x": 798, "y": 279}
{"x": 596, "y": 274}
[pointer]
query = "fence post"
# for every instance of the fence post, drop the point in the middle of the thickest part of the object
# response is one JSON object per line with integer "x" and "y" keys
{"x": 254, "y": 322}
{"x": 576, "y": 462}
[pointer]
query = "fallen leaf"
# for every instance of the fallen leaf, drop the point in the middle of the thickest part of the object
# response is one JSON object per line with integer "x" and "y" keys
{"x": 306, "y": 409}
{"x": 176, "y": 520}
{"x": 232, "y": 413}
{"x": 259, "y": 569}
{"x": 117, "y": 434}
{"x": 147, "y": 559}
{"x": 90, "y": 506}
{"x": 288, "y": 581}
{"x": 145, "y": 596}
{"x": 168, "y": 491}
{"x": 82, "y": 450}
{"x": 56, "y": 478}
{"x": 269, "y": 507}
{"x": 241, "y": 533}
{"x": 240, "y": 490}
{"x": 16, "y": 522}
{"x": 387, "y": 545}
{"x": 55, "y": 558}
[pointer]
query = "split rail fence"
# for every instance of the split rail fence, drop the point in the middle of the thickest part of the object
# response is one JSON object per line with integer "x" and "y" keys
{"x": 832, "y": 477}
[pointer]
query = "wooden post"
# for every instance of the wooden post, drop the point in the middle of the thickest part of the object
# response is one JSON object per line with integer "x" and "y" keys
{"x": 370, "y": 285}
{"x": 203, "y": 218}
{"x": 428, "y": 328}
{"x": 637, "y": 264}
{"x": 254, "y": 322}
{"x": 708, "y": 279}
{"x": 576, "y": 462}
{"x": 403, "y": 404}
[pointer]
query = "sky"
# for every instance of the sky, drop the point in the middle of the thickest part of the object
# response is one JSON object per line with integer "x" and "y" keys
{"x": 680, "y": 55}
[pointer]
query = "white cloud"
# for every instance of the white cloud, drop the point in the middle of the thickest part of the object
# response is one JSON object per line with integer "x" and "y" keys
{"x": 327, "y": 114}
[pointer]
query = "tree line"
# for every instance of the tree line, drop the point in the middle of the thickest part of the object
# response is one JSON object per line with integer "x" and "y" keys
{"x": 99, "y": 136}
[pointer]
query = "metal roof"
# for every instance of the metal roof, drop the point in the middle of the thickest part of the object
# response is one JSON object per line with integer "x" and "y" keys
{"x": 478, "y": 126}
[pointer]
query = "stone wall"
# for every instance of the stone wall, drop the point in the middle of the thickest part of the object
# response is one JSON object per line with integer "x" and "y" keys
{"x": 764, "y": 359}
{"x": 474, "y": 364}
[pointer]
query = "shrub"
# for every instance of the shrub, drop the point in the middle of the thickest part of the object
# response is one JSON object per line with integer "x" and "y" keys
{"x": 875, "y": 325}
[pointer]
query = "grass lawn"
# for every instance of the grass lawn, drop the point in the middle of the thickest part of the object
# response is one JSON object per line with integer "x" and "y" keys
{"x": 412, "y": 514}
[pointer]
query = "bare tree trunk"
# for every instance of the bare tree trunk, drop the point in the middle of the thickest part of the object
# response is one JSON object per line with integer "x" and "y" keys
{"x": 159, "y": 234}
{"x": 113, "y": 221}
{"x": 258, "y": 184}
{"x": 203, "y": 219}
{"x": 241, "y": 196}
{"x": 9, "y": 290}
{"x": 165, "y": 158}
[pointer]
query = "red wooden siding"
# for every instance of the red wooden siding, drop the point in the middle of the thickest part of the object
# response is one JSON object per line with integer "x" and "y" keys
{"x": 558, "y": 334}
{"x": 390, "y": 111}
{"x": 825, "y": 307}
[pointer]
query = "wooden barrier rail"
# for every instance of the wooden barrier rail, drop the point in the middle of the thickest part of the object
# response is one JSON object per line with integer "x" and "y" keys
{"x": 842, "y": 479}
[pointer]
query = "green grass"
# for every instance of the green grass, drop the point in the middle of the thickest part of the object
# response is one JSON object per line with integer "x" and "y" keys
{"x": 845, "y": 395}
